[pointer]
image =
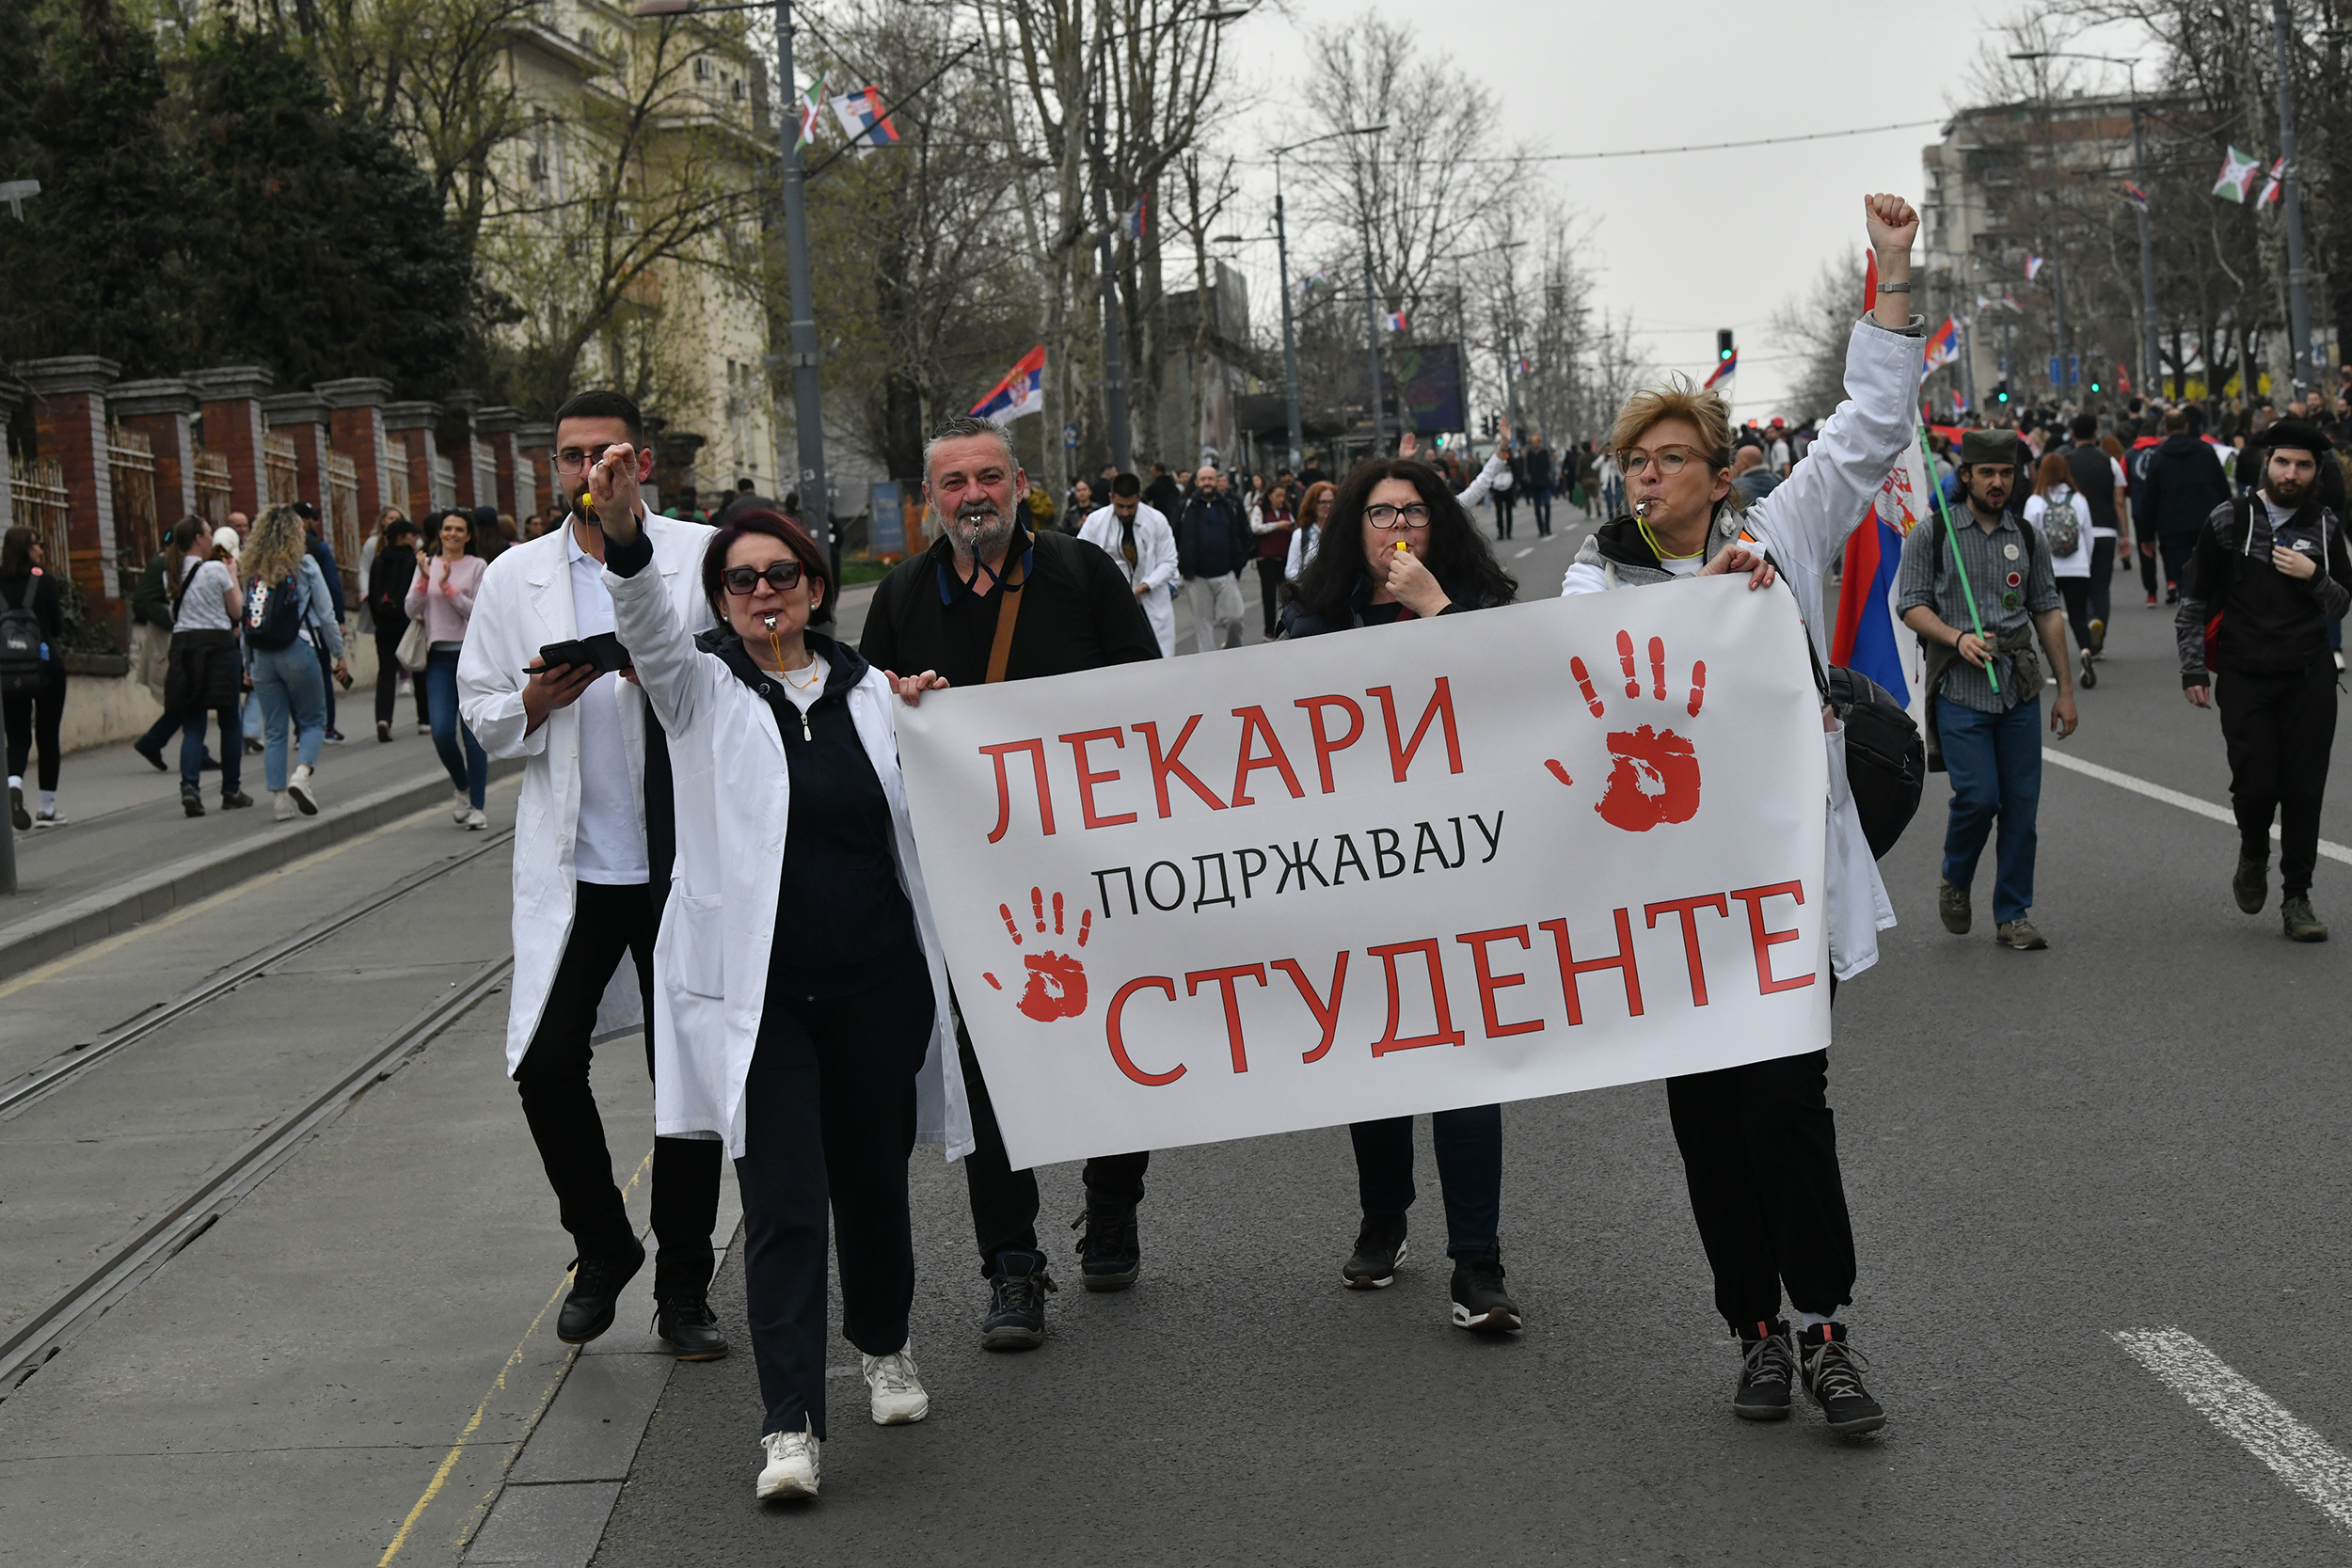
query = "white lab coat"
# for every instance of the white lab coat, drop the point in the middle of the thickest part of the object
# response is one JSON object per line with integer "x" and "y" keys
{"x": 710, "y": 965}
{"x": 524, "y": 603}
{"x": 1155, "y": 563}
{"x": 1805, "y": 524}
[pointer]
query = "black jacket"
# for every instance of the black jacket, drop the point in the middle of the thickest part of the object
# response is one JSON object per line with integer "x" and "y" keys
{"x": 388, "y": 586}
{"x": 39, "y": 595}
{"x": 2184, "y": 484}
{"x": 2270, "y": 622}
{"x": 1076, "y": 613}
{"x": 2094, "y": 480}
{"x": 1213, "y": 537}
{"x": 1538, "y": 466}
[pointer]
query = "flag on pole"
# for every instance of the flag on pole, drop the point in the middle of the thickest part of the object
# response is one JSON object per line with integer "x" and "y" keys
{"x": 2274, "y": 185}
{"x": 1313, "y": 281}
{"x": 1869, "y": 637}
{"x": 1395, "y": 320}
{"x": 2237, "y": 176}
{"x": 1960, "y": 404}
{"x": 863, "y": 121}
{"x": 812, "y": 109}
{"x": 2122, "y": 379}
{"x": 1138, "y": 218}
{"x": 1726, "y": 370}
{"x": 1943, "y": 346}
{"x": 2133, "y": 194}
{"x": 2033, "y": 267}
{"x": 2011, "y": 300}
{"x": 1022, "y": 392}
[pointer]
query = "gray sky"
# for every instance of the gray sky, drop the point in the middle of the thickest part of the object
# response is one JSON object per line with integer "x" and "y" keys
{"x": 1686, "y": 242}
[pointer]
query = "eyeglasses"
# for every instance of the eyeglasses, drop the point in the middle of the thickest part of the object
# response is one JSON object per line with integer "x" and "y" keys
{"x": 1396, "y": 519}
{"x": 571, "y": 460}
{"x": 779, "y": 576}
{"x": 1670, "y": 460}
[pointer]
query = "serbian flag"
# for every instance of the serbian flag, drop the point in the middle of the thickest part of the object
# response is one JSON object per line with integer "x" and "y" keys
{"x": 1724, "y": 370}
{"x": 1136, "y": 218}
{"x": 1395, "y": 320}
{"x": 2033, "y": 267}
{"x": 1943, "y": 346}
{"x": 1869, "y": 637}
{"x": 863, "y": 121}
{"x": 2133, "y": 194}
{"x": 1022, "y": 392}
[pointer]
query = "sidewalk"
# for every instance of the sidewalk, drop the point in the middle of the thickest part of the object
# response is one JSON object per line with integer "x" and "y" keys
{"x": 127, "y": 854}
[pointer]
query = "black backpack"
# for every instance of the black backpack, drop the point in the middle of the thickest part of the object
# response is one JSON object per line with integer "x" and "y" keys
{"x": 273, "y": 616}
{"x": 23, "y": 651}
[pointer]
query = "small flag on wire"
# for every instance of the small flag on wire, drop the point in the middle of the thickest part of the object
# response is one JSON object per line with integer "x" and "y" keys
{"x": 1526, "y": 367}
{"x": 863, "y": 121}
{"x": 1313, "y": 281}
{"x": 2033, "y": 267}
{"x": 2133, "y": 194}
{"x": 2274, "y": 185}
{"x": 2237, "y": 176}
{"x": 812, "y": 109}
{"x": 1395, "y": 320}
{"x": 2011, "y": 300}
{"x": 1960, "y": 404}
{"x": 1022, "y": 392}
{"x": 2122, "y": 379}
{"x": 1725, "y": 369}
{"x": 1943, "y": 344}
{"x": 1136, "y": 219}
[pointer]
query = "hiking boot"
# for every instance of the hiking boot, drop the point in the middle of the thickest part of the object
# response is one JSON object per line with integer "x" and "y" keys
{"x": 690, "y": 1329}
{"x": 596, "y": 1284}
{"x": 1768, "y": 1372}
{"x": 2098, "y": 638}
{"x": 2251, "y": 884}
{"x": 1951, "y": 903}
{"x": 1016, "y": 1302}
{"x": 1832, "y": 1371}
{"x": 2020, "y": 933}
{"x": 1109, "y": 1256}
{"x": 2301, "y": 924}
{"x": 191, "y": 800}
{"x": 1480, "y": 1303}
{"x": 1379, "y": 1248}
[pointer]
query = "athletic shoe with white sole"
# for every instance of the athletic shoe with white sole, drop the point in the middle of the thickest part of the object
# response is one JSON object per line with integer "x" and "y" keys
{"x": 899, "y": 1397}
{"x": 476, "y": 821}
{"x": 458, "y": 812}
{"x": 50, "y": 818}
{"x": 282, "y": 809}
{"x": 791, "y": 1468}
{"x": 1832, "y": 1371}
{"x": 306, "y": 800}
{"x": 1767, "y": 1373}
{"x": 1480, "y": 1303}
{"x": 1379, "y": 1248}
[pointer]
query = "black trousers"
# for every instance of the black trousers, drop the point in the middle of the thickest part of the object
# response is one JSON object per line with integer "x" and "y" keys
{"x": 327, "y": 681}
{"x": 1469, "y": 1145}
{"x": 1759, "y": 1151}
{"x": 2147, "y": 567}
{"x": 2076, "y": 593}
{"x": 34, "y": 716}
{"x": 2280, "y": 730}
{"x": 1502, "y": 501}
{"x": 607, "y": 923}
{"x": 2102, "y": 579}
{"x": 1004, "y": 1200}
{"x": 2178, "y": 549}
{"x": 1270, "y": 591}
{"x": 829, "y": 1119}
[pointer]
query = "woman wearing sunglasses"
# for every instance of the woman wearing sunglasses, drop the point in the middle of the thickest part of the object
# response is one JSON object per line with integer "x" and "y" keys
{"x": 801, "y": 1010}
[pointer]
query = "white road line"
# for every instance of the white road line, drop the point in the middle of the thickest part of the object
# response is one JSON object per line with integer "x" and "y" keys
{"x": 2264, "y": 1427}
{"x": 1525, "y": 553}
{"x": 2334, "y": 850}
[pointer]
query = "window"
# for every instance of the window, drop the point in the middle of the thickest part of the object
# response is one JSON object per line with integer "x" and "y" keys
{"x": 702, "y": 68}
{"x": 738, "y": 92}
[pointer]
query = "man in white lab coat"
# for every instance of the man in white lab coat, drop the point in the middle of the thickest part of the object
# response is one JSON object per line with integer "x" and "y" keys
{"x": 594, "y": 839}
{"x": 1137, "y": 537}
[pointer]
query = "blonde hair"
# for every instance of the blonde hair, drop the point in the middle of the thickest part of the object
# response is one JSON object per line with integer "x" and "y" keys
{"x": 1703, "y": 406}
{"x": 273, "y": 550}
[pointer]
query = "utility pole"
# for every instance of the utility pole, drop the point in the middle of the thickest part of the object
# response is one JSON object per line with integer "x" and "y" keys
{"x": 1374, "y": 313}
{"x": 808, "y": 391}
{"x": 1283, "y": 252}
{"x": 1114, "y": 375}
{"x": 2298, "y": 280}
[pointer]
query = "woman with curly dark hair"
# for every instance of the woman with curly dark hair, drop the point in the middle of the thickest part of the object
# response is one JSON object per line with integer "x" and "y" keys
{"x": 1398, "y": 547}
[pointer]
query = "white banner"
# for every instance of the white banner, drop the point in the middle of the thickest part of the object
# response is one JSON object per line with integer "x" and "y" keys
{"x": 1485, "y": 857}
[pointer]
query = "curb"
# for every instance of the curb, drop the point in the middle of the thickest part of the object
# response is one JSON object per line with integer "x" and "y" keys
{"x": 95, "y": 916}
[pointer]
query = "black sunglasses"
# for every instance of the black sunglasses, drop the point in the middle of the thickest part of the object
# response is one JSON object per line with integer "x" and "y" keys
{"x": 779, "y": 576}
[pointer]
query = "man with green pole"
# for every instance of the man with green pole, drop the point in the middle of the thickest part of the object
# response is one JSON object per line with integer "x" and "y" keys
{"x": 1988, "y": 570}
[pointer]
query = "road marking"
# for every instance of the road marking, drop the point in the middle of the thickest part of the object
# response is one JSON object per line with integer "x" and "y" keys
{"x": 2334, "y": 851}
{"x": 2264, "y": 1427}
{"x": 1525, "y": 553}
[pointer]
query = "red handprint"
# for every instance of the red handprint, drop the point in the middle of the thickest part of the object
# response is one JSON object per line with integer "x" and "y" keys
{"x": 1652, "y": 774}
{"x": 1057, "y": 981}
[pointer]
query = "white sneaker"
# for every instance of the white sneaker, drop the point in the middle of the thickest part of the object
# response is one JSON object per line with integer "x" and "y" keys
{"x": 299, "y": 787}
{"x": 424, "y": 729}
{"x": 792, "y": 1467}
{"x": 50, "y": 818}
{"x": 899, "y": 1396}
{"x": 283, "y": 809}
{"x": 458, "y": 812}
{"x": 475, "y": 822}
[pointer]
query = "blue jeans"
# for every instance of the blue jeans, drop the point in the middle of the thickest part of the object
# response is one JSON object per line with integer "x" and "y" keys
{"x": 1996, "y": 766}
{"x": 286, "y": 680}
{"x": 469, "y": 768}
{"x": 1539, "y": 497}
{"x": 191, "y": 724}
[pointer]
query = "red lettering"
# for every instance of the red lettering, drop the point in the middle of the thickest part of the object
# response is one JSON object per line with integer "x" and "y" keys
{"x": 1446, "y": 1034}
{"x": 1004, "y": 788}
{"x": 1689, "y": 910}
{"x": 1253, "y": 722}
{"x": 1172, "y": 762}
{"x": 1766, "y": 941}
{"x": 1441, "y": 707}
{"x": 1087, "y": 780}
{"x": 1325, "y": 745}
{"x": 1489, "y": 982}
{"x": 1118, "y": 1040}
{"x": 1225, "y": 979}
{"x": 1621, "y": 961}
{"x": 1327, "y": 1013}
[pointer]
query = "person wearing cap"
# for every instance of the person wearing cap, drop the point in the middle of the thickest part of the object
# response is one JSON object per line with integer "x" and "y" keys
{"x": 1977, "y": 588}
{"x": 2268, "y": 571}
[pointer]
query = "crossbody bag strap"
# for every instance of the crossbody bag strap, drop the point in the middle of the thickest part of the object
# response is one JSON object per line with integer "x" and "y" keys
{"x": 1007, "y": 611}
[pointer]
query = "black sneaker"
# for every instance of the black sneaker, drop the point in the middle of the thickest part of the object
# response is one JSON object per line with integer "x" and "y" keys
{"x": 1480, "y": 1303}
{"x": 1379, "y": 1248}
{"x": 155, "y": 755}
{"x": 191, "y": 800}
{"x": 1768, "y": 1372}
{"x": 208, "y": 764}
{"x": 235, "y": 800}
{"x": 2252, "y": 885}
{"x": 1016, "y": 1302}
{"x": 690, "y": 1328}
{"x": 1110, "y": 1255}
{"x": 1833, "y": 1370}
{"x": 596, "y": 1284}
{"x": 21, "y": 819}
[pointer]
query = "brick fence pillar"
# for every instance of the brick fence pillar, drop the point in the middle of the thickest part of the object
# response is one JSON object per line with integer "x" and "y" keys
{"x": 408, "y": 429}
{"x": 533, "y": 443}
{"x": 164, "y": 411}
{"x": 232, "y": 397}
{"x": 13, "y": 396}
{"x": 70, "y": 414}
{"x": 304, "y": 416}
{"x": 494, "y": 428}
{"x": 356, "y": 426}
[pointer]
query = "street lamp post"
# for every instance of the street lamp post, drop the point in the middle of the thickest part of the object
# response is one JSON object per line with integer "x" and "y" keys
{"x": 1371, "y": 305}
{"x": 1283, "y": 256}
{"x": 2298, "y": 280}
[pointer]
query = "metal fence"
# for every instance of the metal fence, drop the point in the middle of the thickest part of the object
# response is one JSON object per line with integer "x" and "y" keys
{"x": 396, "y": 482}
{"x": 282, "y": 460}
{"x": 212, "y": 487}
{"x": 39, "y": 487}
{"x": 342, "y": 516}
{"x": 131, "y": 461}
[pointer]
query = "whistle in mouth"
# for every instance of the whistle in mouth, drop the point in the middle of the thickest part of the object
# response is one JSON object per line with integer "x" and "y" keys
{"x": 767, "y": 621}
{"x": 1402, "y": 548}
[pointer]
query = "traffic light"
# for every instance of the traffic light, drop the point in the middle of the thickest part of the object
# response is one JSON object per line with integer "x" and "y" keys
{"x": 2000, "y": 391}
{"x": 1492, "y": 426}
{"x": 1722, "y": 344}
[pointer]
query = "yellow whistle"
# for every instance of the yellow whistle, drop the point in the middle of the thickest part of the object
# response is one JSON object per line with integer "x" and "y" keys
{"x": 1401, "y": 549}
{"x": 588, "y": 504}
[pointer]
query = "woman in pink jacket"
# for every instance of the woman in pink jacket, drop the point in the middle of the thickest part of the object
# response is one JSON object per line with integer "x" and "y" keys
{"x": 442, "y": 594}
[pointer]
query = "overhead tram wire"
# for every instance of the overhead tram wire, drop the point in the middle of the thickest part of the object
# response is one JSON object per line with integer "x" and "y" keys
{"x": 1705, "y": 147}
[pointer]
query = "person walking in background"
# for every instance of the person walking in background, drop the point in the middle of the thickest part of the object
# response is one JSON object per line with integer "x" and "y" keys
{"x": 1272, "y": 522}
{"x": 290, "y": 627}
{"x": 1212, "y": 545}
{"x": 2063, "y": 514}
{"x": 442, "y": 593}
{"x": 2098, "y": 479}
{"x": 1602, "y": 480}
{"x": 2184, "y": 484}
{"x": 150, "y": 608}
{"x": 207, "y": 675}
{"x": 489, "y": 542}
{"x": 387, "y": 608}
{"x": 1504, "y": 490}
{"x": 1137, "y": 537}
{"x": 32, "y": 673}
{"x": 1539, "y": 471}
{"x": 1315, "y": 509}
{"x": 322, "y": 554}
{"x": 370, "y": 548}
